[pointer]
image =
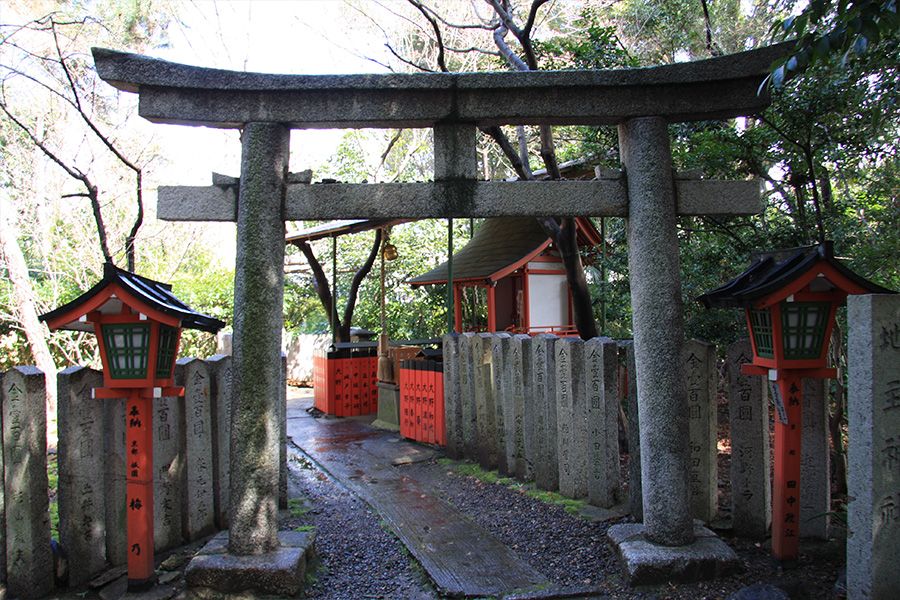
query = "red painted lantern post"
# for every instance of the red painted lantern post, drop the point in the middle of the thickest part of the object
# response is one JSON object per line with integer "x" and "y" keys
{"x": 138, "y": 325}
{"x": 791, "y": 299}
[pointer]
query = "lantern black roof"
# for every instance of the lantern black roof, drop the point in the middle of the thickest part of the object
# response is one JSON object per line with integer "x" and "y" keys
{"x": 774, "y": 270}
{"x": 154, "y": 294}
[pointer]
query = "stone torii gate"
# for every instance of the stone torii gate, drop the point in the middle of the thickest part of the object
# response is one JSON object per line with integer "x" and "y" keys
{"x": 641, "y": 102}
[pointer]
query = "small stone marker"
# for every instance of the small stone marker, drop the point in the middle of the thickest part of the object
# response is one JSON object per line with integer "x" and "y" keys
{"x": 198, "y": 510}
{"x": 220, "y": 408}
{"x": 168, "y": 467}
{"x": 29, "y": 559}
{"x": 815, "y": 462}
{"x": 635, "y": 498}
{"x": 700, "y": 366}
{"x": 748, "y": 414}
{"x": 523, "y": 408}
{"x": 873, "y": 359}
{"x": 484, "y": 401}
{"x": 467, "y": 386}
{"x": 501, "y": 346}
{"x": 546, "y": 468}
{"x": 601, "y": 363}
{"x": 453, "y": 396}
{"x": 82, "y": 522}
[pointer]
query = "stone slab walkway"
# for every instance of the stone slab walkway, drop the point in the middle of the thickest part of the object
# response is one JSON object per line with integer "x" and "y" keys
{"x": 461, "y": 557}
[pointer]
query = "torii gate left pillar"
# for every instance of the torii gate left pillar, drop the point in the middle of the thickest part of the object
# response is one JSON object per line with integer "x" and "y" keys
{"x": 258, "y": 311}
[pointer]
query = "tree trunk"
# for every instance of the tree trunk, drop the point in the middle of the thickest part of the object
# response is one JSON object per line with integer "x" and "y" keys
{"x": 566, "y": 241}
{"x": 25, "y": 305}
{"x": 323, "y": 289}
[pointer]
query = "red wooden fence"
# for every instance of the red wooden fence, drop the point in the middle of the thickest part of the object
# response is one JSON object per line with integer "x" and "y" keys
{"x": 344, "y": 381}
{"x": 422, "y": 401}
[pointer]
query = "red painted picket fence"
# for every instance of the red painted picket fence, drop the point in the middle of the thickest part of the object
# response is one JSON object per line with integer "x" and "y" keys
{"x": 344, "y": 381}
{"x": 422, "y": 401}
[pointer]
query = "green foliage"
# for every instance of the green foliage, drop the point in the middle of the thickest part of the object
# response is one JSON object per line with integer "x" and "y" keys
{"x": 52, "y": 489}
{"x": 596, "y": 46}
{"x": 409, "y": 313}
{"x": 827, "y": 30}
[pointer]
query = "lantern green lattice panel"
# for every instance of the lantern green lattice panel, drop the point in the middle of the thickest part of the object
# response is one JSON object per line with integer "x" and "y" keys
{"x": 165, "y": 357}
{"x": 761, "y": 326}
{"x": 803, "y": 326}
{"x": 127, "y": 348}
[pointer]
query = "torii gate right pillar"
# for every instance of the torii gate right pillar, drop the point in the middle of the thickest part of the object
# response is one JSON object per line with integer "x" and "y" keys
{"x": 653, "y": 266}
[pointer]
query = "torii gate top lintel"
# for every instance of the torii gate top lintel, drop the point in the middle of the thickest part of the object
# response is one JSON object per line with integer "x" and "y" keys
{"x": 721, "y": 87}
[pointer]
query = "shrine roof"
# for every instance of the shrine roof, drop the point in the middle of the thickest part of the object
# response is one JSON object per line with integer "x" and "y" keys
{"x": 154, "y": 294}
{"x": 499, "y": 247}
{"x": 339, "y": 228}
{"x": 774, "y": 270}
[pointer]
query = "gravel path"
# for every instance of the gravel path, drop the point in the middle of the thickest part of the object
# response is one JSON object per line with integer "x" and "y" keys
{"x": 358, "y": 558}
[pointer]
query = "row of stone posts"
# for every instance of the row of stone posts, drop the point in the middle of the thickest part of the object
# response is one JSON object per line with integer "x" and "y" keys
{"x": 545, "y": 409}
{"x": 191, "y": 441}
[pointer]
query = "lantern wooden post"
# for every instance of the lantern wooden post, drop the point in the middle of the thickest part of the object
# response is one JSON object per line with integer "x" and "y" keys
{"x": 139, "y": 488}
{"x": 786, "y": 487}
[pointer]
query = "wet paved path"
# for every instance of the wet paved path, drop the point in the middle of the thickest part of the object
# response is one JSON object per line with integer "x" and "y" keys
{"x": 462, "y": 557}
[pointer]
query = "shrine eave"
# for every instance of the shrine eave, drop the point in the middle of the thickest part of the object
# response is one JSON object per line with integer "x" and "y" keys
{"x": 153, "y": 294}
{"x": 771, "y": 271}
{"x": 716, "y": 88}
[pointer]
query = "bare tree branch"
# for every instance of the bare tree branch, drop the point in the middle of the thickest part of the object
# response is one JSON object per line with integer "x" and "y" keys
{"x": 406, "y": 61}
{"x": 386, "y": 153}
{"x": 509, "y": 151}
{"x": 139, "y": 217}
{"x": 505, "y": 51}
{"x": 74, "y": 173}
{"x": 437, "y": 33}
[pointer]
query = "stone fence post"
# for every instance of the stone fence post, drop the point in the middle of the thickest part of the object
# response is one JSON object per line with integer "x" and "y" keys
{"x": 873, "y": 359}
{"x": 748, "y": 416}
{"x": 220, "y": 407}
{"x": 702, "y": 380}
{"x": 453, "y": 396}
{"x": 601, "y": 365}
{"x": 485, "y": 414}
{"x": 198, "y": 515}
{"x": 815, "y": 462}
{"x": 504, "y": 420}
{"x": 546, "y": 468}
{"x": 29, "y": 558}
{"x": 82, "y": 467}
{"x": 571, "y": 418}
{"x": 523, "y": 408}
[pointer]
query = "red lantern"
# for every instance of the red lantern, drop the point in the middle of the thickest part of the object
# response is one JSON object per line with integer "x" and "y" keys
{"x": 790, "y": 298}
{"x": 138, "y": 325}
